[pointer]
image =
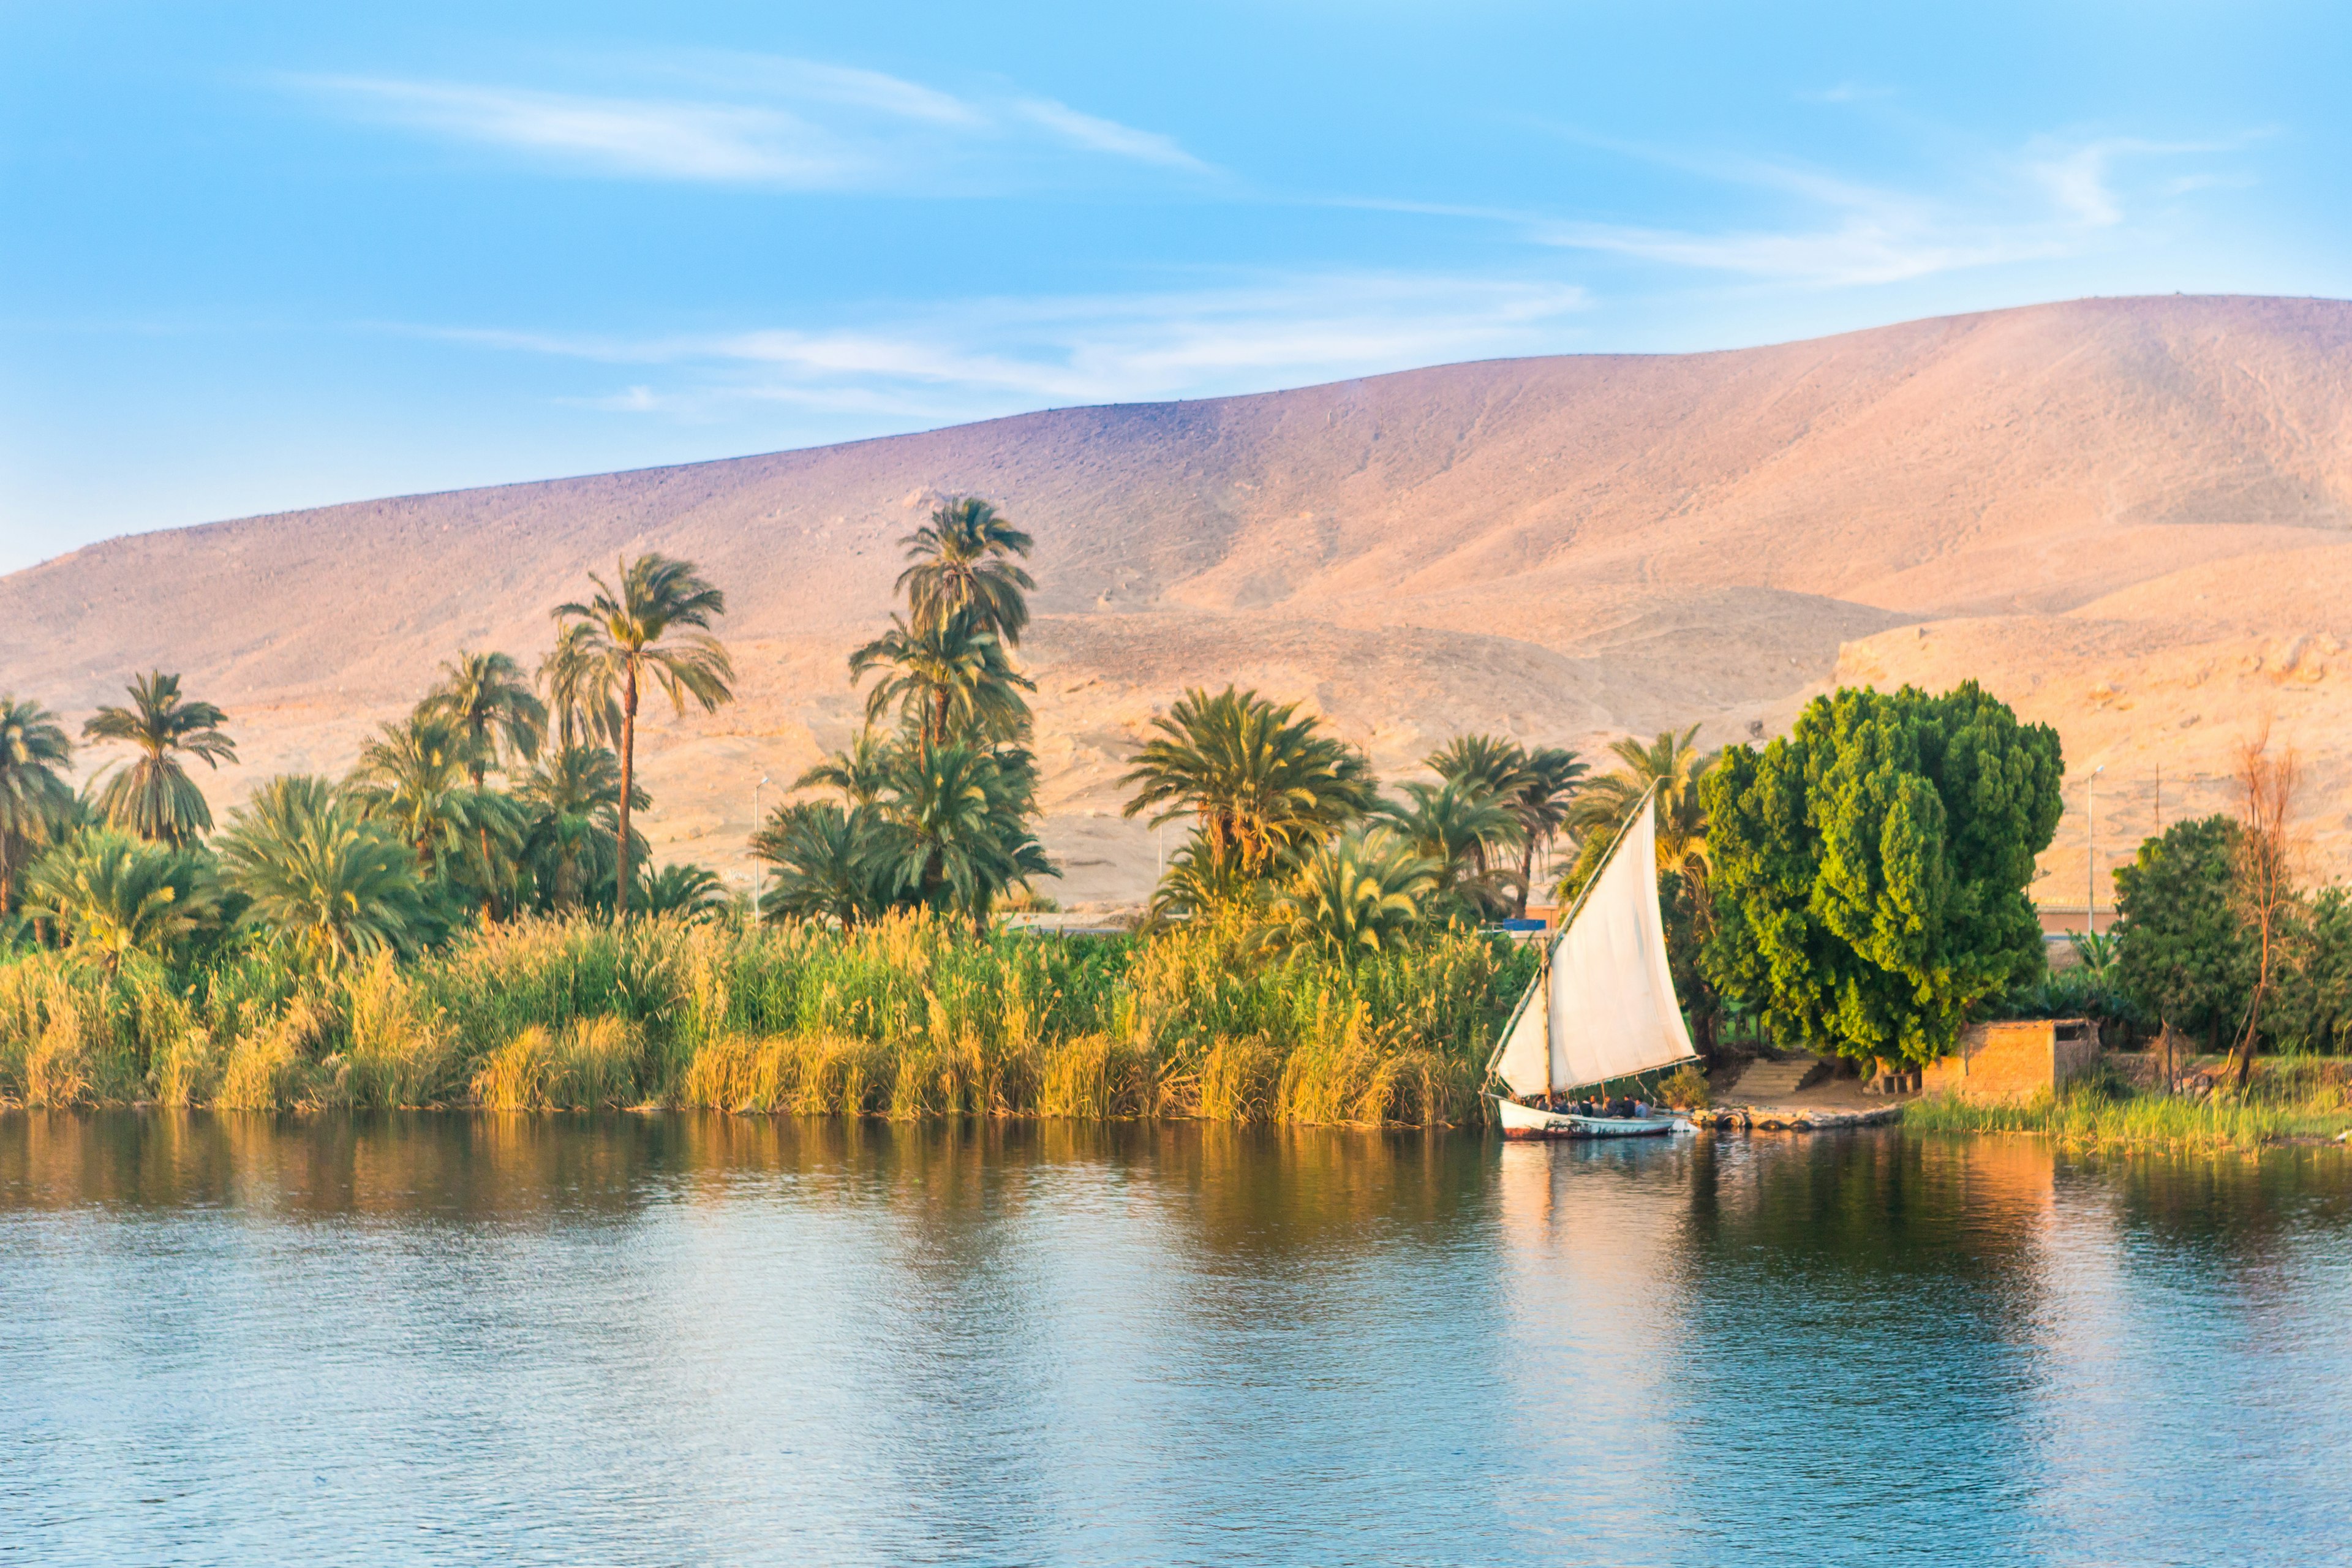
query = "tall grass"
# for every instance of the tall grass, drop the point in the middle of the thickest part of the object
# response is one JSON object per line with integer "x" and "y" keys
{"x": 2286, "y": 1102}
{"x": 910, "y": 1016}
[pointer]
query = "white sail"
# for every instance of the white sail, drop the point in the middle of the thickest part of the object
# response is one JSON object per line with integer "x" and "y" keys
{"x": 1613, "y": 1011}
{"x": 1523, "y": 1061}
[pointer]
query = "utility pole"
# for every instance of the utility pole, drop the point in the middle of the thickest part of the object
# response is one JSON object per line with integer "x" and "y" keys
{"x": 2091, "y": 856}
{"x": 751, "y": 911}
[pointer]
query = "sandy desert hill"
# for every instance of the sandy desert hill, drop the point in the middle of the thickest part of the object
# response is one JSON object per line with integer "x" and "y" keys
{"x": 2131, "y": 518}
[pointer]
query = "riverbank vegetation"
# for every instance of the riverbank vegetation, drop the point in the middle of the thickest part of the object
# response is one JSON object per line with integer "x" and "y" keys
{"x": 470, "y": 916}
{"x": 908, "y": 1014}
{"x": 2290, "y": 1101}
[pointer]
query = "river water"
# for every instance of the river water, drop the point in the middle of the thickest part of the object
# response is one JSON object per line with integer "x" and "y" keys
{"x": 690, "y": 1340}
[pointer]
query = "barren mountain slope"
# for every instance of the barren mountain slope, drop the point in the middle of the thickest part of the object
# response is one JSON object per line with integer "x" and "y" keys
{"x": 2131, "y": 518}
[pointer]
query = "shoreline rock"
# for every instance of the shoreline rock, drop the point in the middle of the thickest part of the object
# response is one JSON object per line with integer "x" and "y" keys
{"x": 1792, "y": 1118}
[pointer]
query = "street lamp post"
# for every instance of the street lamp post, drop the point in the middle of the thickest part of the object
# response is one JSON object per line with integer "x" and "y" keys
{"x": 2091, "y": 856}
{"x": 751, "y": 914}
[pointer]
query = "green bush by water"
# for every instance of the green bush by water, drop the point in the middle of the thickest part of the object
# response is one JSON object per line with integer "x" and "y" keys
{"x": 911, "y": 1015}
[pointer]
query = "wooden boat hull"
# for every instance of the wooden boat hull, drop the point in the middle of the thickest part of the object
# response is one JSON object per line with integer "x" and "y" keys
{"x": 1529, "y": 1122}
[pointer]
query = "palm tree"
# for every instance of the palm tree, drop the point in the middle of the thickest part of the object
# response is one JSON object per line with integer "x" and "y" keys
{"x": 1258, "y": 780}
{"x": 1199, "y": 881}
{"x": 332, "y": 884}
{"x": 572, "y": 803}
{"x": 1554, "y": 775}
{"x": 694, "y": 893}
{"x": 950, "y": 678}
{"x": 1673, "y": 766}
{"x": 1492, "y": 764}
{"x": 952, "y": 830}
{"x": 1536, "y": 785}
{"x": 1353, "y": 897}
{"x": 34, "y": 795}
{"x": 414, "y": 776}
{"x": 485, "y": 695}
{"x": 1454, "y": 825}
{"x": 113, "y": 895}
{"x": 653, "y": 627}
{"x": 860, "y": 771}
{"x": 581, "y": 701}
{"x": 962, "y": 565}
{"x": 153, "y": 795}
{"x": 824, "y": 859}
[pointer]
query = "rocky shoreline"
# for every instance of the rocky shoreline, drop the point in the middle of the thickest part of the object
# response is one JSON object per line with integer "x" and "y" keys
{"x": 1786, "y": 1118}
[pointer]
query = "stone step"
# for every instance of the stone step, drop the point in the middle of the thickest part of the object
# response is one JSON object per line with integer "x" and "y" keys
{"x": 1763, "y": 1082}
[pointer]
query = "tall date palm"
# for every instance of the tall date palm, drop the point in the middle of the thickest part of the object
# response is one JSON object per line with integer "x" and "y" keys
{"x": 950, "y": 679}
{"x": 650, "y": 624}
{"x": 152, "y": 795}
{"x": 1258, "y": 780}
{"x": 333, "y": 884}
{"x": 962, "y": 565}
{"x": 485, "y": 695}
{"x": 34, "y": 795}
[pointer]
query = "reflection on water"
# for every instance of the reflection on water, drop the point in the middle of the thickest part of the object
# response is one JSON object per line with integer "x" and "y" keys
{"x": 712, "y": 1339}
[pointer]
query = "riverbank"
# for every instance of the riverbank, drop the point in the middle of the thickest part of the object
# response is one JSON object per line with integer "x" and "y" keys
{"x": 2289, "y": 1102}
{"x": 908, "y": 1016}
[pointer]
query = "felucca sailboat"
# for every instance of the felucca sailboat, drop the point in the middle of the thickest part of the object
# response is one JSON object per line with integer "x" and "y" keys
{"x": 1602, "y": 1007}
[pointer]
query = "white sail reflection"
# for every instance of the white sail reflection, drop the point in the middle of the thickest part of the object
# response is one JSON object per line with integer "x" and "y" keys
{"x": 1594, "y": 1238}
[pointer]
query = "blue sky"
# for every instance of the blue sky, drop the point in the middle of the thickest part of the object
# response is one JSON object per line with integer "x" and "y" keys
{"x": 261, "y": 256}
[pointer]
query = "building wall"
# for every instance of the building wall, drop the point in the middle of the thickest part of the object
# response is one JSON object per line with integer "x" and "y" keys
{"x": 2014, "y": 1060}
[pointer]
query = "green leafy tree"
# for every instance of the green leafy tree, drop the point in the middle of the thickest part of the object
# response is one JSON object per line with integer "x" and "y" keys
{"x": 2182, "y": 950}
{"x": 1869, "y": 870}
{"x": 327, "y": 880}
{"x": 1462, "y": 828}
{"x": 1258, "y": 781}
{"x": 152, "y": 795}
{"x": 651, "y": 625}
{"x": 110, "y": 895}
{"x": 1361, "y": 894}
{"x": 825, "y": 863}
{"x": 962, "y": 565}
{"x": 34, "y": 795}
{"x": 2315, "y": 1007}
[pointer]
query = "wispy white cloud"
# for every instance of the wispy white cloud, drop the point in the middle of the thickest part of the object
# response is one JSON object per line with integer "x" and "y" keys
{"x": 643, "y": 137}
{"x": 987, "y": 356}
{"x": 1107, "y": 136}
{"x": 2056, "y": 198}
{"x": 754, "y": 120}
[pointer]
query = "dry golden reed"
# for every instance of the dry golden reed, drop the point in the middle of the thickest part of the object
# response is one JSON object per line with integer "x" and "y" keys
{"x": 906, "y": 1017}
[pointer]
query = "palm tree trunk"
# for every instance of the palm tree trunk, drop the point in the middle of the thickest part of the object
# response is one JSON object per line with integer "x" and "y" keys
{"x": 1526, "y": 874}
{"x": 490, "y": 888}
{"x": 628, "y": 776}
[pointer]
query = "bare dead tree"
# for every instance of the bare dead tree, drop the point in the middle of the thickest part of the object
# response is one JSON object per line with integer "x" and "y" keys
{"x": 2265, "y": 863}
